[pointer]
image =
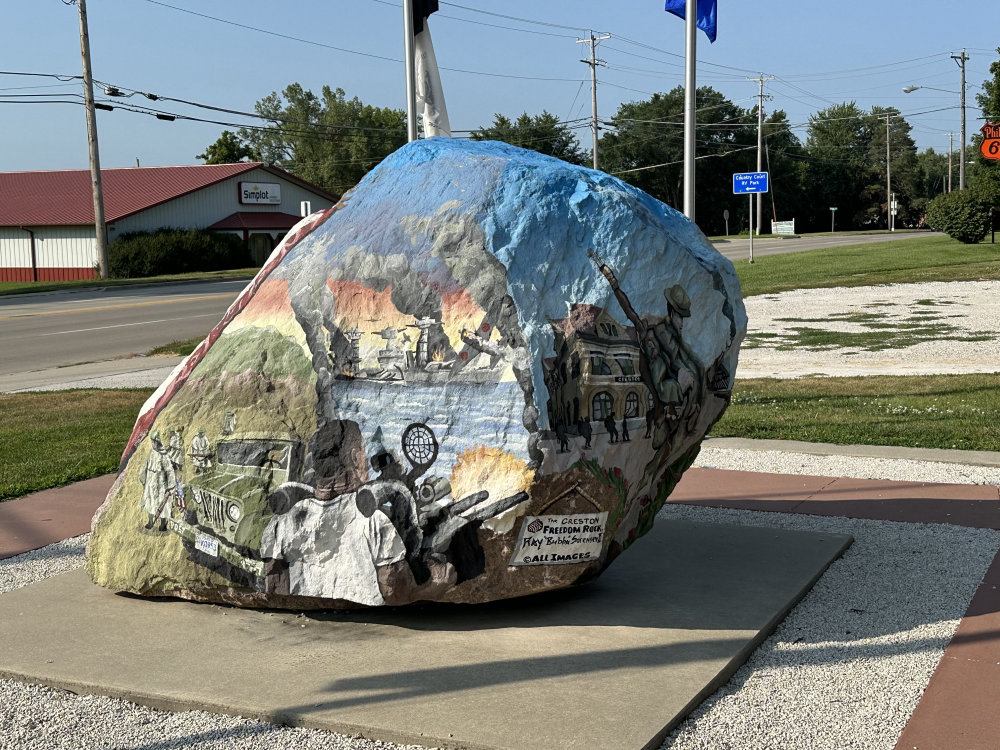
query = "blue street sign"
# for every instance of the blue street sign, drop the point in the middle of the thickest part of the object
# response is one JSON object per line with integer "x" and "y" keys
{"x": 750, "y": 182}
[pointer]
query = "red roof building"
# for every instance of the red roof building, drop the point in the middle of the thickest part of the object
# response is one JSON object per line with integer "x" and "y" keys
{"x": 47, "y": 218}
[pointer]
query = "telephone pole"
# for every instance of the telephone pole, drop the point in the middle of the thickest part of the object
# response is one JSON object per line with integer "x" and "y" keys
{"x": 100, "y": 228}
{"x": 760, "y": 138}
{"x": 960, "y": 59}
{"x": 888, "y": 181}
{"x": 593, "y": 62}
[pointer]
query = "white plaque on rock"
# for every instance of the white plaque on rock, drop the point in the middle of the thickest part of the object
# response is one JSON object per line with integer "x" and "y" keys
{"x": 560, "y": 540}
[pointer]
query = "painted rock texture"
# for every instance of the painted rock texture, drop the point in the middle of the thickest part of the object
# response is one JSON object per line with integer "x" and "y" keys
{"x": 478, "y": 376}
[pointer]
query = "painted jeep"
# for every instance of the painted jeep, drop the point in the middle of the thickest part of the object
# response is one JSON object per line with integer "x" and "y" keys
{"x": 228, "y": 507}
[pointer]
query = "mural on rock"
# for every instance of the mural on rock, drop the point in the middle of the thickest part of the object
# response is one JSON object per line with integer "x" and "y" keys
{"x": 478, "y": 376}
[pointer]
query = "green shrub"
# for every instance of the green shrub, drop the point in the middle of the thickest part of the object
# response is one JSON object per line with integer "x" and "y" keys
{"x": 169, "y": 251}
{"x": 964, "y": 215}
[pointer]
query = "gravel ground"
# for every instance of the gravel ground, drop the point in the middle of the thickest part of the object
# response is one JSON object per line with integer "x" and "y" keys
{"x": 912, "y": 329}
{"x": 845, "y": 669}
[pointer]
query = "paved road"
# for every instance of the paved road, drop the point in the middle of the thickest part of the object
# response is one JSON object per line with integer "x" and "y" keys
{"x": 43, "y": 331}
{"x": 738, "y": 248}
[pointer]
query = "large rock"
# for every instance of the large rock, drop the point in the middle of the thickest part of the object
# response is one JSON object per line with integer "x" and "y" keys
{"x": 478, "y": 376}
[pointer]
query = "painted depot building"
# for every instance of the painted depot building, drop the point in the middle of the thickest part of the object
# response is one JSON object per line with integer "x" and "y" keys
{"x": 595, "y": 373}
{"x": 47, "y": 218}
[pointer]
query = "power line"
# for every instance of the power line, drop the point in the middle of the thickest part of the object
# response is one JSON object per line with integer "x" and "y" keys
{"x": 673, "y": 163}
{"x": 350, "y": 51}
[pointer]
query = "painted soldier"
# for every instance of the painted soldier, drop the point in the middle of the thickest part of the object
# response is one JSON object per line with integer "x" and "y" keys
{"x": 201, "y": 453}
{"x": 159, "y": 483}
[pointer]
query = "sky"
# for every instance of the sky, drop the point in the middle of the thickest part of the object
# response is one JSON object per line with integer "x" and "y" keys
{"x": 512, "y": 57}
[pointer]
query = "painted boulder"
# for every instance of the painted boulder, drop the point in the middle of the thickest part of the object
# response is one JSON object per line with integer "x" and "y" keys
{"x": 478, "y": 376}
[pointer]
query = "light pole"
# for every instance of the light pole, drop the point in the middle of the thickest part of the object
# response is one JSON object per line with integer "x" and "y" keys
{"x": 910, "y": 89}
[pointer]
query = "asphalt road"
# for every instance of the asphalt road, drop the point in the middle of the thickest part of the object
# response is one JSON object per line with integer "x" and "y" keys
{"x": 738, "y": 248}
{"x": 57, "y": 329}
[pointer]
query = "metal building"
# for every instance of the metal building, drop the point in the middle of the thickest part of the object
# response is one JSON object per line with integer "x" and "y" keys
{"x": 47, "y": 218}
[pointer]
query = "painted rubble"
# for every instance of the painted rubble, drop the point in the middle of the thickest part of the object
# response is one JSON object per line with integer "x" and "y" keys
{"x": 478, "y": 376}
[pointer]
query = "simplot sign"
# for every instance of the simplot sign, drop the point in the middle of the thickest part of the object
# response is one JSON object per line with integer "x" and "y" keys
{"x": 260, "y": 192}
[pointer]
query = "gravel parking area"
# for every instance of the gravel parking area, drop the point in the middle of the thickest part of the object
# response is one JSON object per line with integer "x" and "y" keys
{"x": 895, "y": 329}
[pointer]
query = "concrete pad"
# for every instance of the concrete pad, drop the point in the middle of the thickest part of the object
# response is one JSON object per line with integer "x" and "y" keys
{"x": 614, "y": 664}
{"x": 46, "y": 517}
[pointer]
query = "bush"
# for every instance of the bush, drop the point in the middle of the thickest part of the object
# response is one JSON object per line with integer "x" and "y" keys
{"x": 964, "y": 215}
{"x": 169, "y": 251}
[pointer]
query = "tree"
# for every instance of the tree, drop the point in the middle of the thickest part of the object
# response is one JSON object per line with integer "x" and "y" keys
{"x": 228, "y": 149}
{"x": 542, "y": 133}
{"x": 646, "y": 148}
{"x": 329, "y": 140}
{"x": 838, "y": 146}
{"x": 784, "y": 161}
{"x": 903, "y": 168}
{"x": 985, "y": 176}
{"x": 964, "y": 215}
{"x": 931, "y": 181}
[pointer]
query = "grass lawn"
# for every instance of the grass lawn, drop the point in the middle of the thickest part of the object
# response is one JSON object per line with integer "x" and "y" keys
{"x": 180, "y": 348}
{"x": 60, "y": 437}
{"x": 936, "y": 411}
{"x": 903, "y": 261}
{"x": 24, "y": 287}
{"x": 55, "y": 438}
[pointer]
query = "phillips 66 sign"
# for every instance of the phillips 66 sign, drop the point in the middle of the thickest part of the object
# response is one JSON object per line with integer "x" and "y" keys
{"x": 990, "y": 147}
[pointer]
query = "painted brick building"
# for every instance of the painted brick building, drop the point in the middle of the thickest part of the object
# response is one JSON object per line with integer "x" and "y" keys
{"x": 47, "y": 218}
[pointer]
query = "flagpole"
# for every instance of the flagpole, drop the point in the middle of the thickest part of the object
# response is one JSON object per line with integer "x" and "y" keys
{"x": 690, "y": 91}
{"x": 411, "y": 79}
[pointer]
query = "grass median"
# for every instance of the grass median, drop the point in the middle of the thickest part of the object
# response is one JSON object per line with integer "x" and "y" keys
{"x": 55, "y": 438}
{"x": 915, "y": 411}
{"x": 893, "y": 262}
{"x": 61, "y": 437}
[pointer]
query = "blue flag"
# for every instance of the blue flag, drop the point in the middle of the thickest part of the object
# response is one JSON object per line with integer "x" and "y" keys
{"x": 706, "y": 14}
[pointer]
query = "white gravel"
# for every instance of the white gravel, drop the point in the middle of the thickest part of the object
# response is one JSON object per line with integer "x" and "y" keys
{"x": 848, "y": 665}
{"x": 893, "y": 469}
{"x": 969, "y": 310}
{"x": 845, "y": 669}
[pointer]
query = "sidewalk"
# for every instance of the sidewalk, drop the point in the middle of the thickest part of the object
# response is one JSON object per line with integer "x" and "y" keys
{"x": 957, "y": 707}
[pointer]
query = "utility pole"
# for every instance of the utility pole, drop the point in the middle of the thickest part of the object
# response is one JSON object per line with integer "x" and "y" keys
{"x": 100, "y": 228}
{"x": 960, "y": 59}
{"x": 888, "y": 181}
{"x": 593, "y": 62}
{"x": 760, "y": 138}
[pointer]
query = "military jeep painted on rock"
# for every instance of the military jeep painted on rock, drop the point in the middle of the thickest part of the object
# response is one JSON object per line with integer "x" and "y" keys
{"x": 229, "y": 506}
